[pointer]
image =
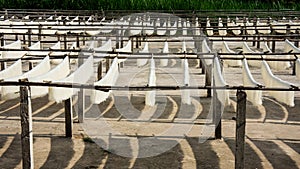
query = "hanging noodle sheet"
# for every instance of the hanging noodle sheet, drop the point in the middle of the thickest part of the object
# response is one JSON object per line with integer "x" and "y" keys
{"x": 142, "y": 62}
{"x": 13, "y": 70}
{"x": 173, "y": 29}
{"x": 270, "y": 80}
{"x": 109, "y": 79}
{"x": 222, "y": 31}
{"x": 277, "y": 65}
{"x": 150, "y": 95}
{"x": 148, "y": 27}
{"x": 254, "y": 96}
{"x": 185, "y": 94}
{"x": 11, "y": 92}
{"x": 36, "y": 46}
{"x": 126, "y": 48}
{"x": 298, "y": 68}
{"x": 209, "y": 30}
{"x": 250, "y": 28}
{"x": 106, "y": 47}
{"x": 254, "y": 63}
{"x": 57, "y": 47}
{"x": 80, "y": 76}
{"x": 263, "y": 28}
{"x": 184, "y": 28}
{"x": 73, "y": 47}
{"x": 13, "y": 54}
{"x": 222, "y": 95}
{"x": 288, "y": 46}
{"x": 161, "y": 30}
{"x": 59, "y": 72}
{"x": 164, "y": 62}
{"x": 184, "y": 47}
{"x": 136, "y": 29}
{"x": 279, "y": 27}
{"x": 236, "y": 29}
{"x": 234, "y": 63}
{"x": 206, "y": 49}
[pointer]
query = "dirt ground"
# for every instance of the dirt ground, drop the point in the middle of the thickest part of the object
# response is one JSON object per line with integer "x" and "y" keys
{"x": 272, "y": 129}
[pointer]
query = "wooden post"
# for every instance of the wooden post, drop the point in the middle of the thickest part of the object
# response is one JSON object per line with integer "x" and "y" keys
{"x": 68, "y": 117}
{"x": 132, "y": 40}
{"x": 217, "y": 109}
{"x": 256, "y": 32}
{"x": 137, "y": 42}
{"x": 30, "y": 65}
{"x": 99, "y": 70}
{"x": 273, "y": 40}
{"x": 273, "y": 45}
{"x": 81, "y": 99}
{"x": 294, "y": 68}
{"x": 81, "y": 107}
{"x": 297, "y": 39}
{"x": 29, "y": 37}
{"x": 240, "y": 130}
{"x": 118, "y": 38}
{"x": 77, "y": 41}
{"x": 26, "y": 125}
{"x": 83, "y": 40}
{"x": 107, "y": 64}
{"x": 208, "y": 73}
{"x": 2, "y": 64}
{"x": 40, "y": 32}
{"x": 2, "y": 39}
{"x": 24, "y": 39}
{"x": 122, "y": 34}
{"x": 58, "y": 37}
{"x": 65, "y": 42}
{"x": 258, "y": 41}
{"x": 217, "y": 115}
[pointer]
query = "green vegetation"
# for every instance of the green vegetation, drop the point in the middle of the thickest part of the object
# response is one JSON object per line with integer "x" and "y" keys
{"x": 151, "y": 4}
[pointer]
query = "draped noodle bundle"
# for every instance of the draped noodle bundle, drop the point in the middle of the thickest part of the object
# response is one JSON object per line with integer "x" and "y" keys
{"x": 288, "y": 46}
{"x": 80, "y": 76}
{"x": 106, "y": 47}
{"x": 298, "y": 68}
{"x": 206, "y": 49}
{"x": 185, "y": 94}
{"x": 246, "y": 49}
{"x": 10, "y": 92}
{"x": 277, "y": 65}
{"x": 164, "y": 62}
{"x": 142, "y": 62}
{"x": 229, "y": 62}
{"x": 222, "y": 95}
{"x": 126, "y": 48}
{"x": 59, "y": 72}
{"x": 270, "y": 80}
{"x": 108, "y": 80}
{"x": 13, "y": 70}
{"x": 13, "y": 54}
{"x": 150, "y": 95}
{"x": 254, "y": 96}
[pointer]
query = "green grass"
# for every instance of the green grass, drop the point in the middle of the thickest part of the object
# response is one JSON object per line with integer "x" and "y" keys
{"x": 151, "y": 4}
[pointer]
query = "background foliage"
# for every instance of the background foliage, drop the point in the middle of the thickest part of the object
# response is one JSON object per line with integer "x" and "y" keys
{"x": 150, "y": 4}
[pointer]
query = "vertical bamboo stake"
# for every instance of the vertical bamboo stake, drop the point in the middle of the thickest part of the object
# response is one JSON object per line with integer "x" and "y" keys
{"x": 240, "y": 130}
{"x": 99, "y": 70}
{"x": 26, "y": 125}
{"x": 68, "y": 117}
{"x": 29, "y": 37}
{"x": 81, "y": 99}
